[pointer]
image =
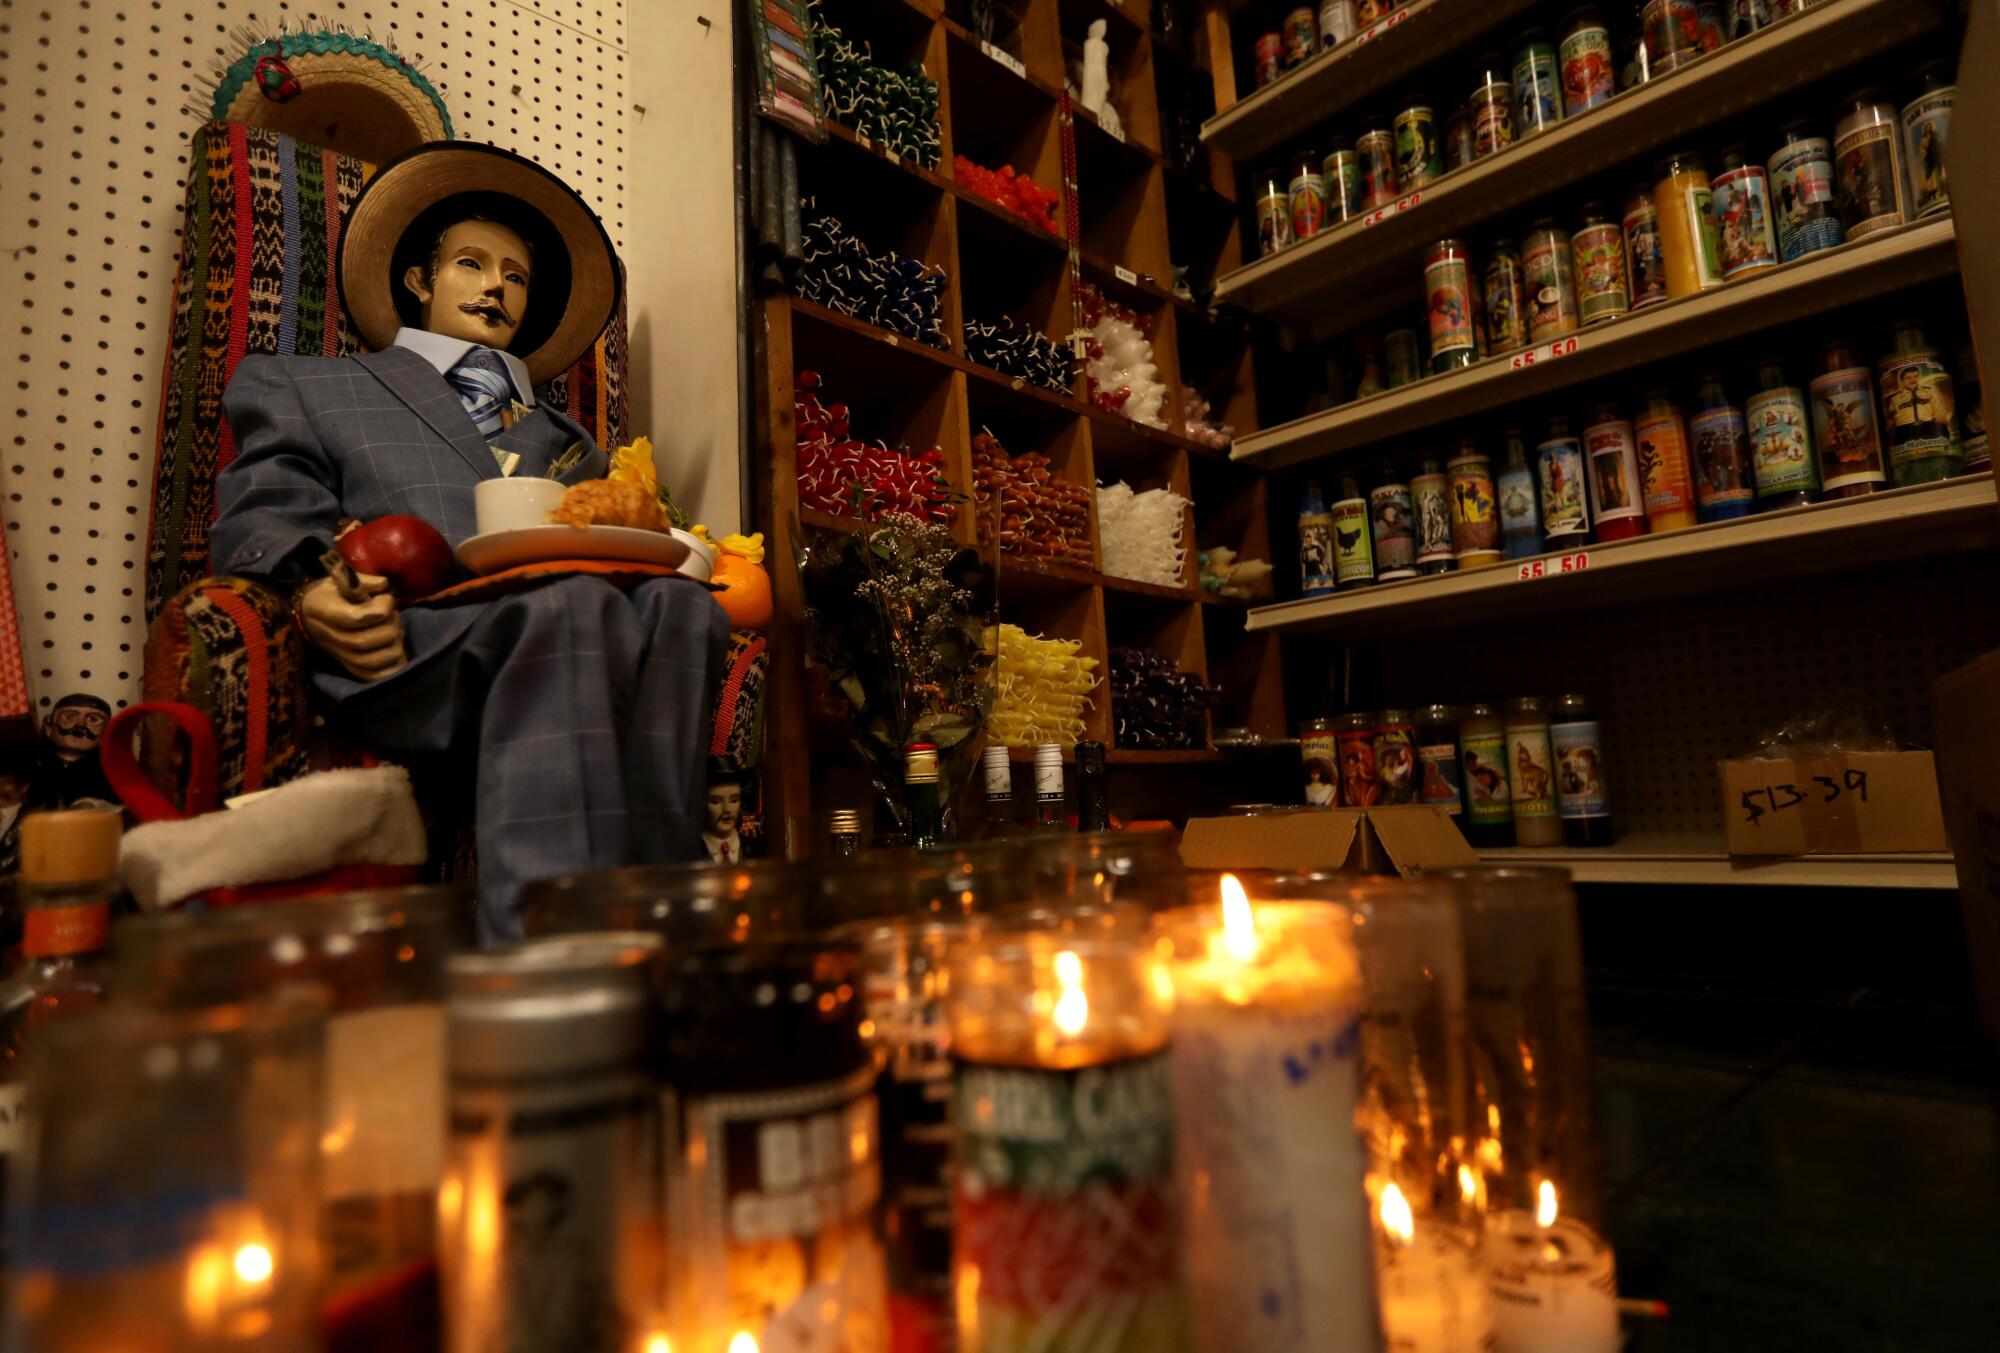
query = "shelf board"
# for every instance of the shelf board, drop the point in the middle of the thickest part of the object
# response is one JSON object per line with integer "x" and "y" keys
{"x": 814, "y": 312}
{"x": 1926, "y": 519}
{"x": 1019, "y": 226}
{"x": 1047, "y": 575}
{"x": 1877, "y": 265}
{"x": 841, "y": 137}
{"x": 1314, "y": 280}
{"x": 1684, "y": 860}
{"x": 1383, "y": 54}
{"x": 959, "y": 33}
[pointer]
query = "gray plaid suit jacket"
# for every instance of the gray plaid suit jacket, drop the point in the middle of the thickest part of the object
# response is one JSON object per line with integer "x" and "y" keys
{"x": 323, "y": 438}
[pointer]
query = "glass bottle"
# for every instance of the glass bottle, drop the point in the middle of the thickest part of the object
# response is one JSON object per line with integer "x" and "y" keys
{"x": 1781, "y": 450}
{"x": 1724, "y": 485}
{"x": 1919, "y": 410}
{"x": 1489, "y": 798}
{"x": 1845, "y": 427}
{"x": 922, "y": 783}
{"x": 997, "y": 770}
{"x": 1438, "y": 770}
{"x": 1395, "y": 756}
{"x": 1579, "y": 751}
{"x": 843, "y": 833}
{"x": 1051, "y": 802}
{"x": 1661, "y": 432}
{"x": 1617, "y": 493}
{"x": 1520, "y": 501}
{"x": 1353, "y": 547}
{"x": 1430, "y": 502}
{"x": 68, "y": 878}
{"x": 1093, "y": 788}
{"x": 1315, "y": 544}
{"x": 1531, "y": 766}
{"x": 1559, "y": 464}
{"x": 1689, "y": 246}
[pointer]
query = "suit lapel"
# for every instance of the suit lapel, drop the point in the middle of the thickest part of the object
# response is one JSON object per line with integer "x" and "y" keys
{"x": 417, "y": 383}
{"x": 536, "y": 439}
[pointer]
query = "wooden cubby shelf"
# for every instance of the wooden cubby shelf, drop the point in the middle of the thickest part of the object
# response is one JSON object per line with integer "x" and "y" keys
{"x": 1000, "y": 104}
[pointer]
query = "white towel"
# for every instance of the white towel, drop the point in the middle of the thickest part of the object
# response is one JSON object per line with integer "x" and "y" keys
{"x": 334, "y": 817}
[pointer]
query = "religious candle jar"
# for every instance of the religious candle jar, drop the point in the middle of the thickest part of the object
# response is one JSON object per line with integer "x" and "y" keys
{"x": 1375, "y": 153}
{"x": 681, "y": 903}
{"x": 1780, "y": 441}
{"x": 170, "y": 1195}
{"x": 1926, "y": 127}
{"x": 1871, "y": 187}
{"x": 1644, "y": 262}
{"x": 1396, "y": 756}
{"x": 1430, "y": 501}
{"x": 1538, "y": 99}
{"x": 1492, "y": 107}
{"x": 1273, "y": 213}
{"x": 1099, "y": 871}
{"x": 380, "y": 959}
{"x": 773, "y": 1149}
{"x": 1520, "y": 503}
{"x": 1603, "y": 285}
{"x": 1919, "y": 411}
{"x": 1664, "y": 466}
{"x": 1672, "y": 34}
{"x": 1845, "y": 425}
{"x": 1475, "y": 507}
{"x": 1686, "y": 206}
{"x": 1802, "y": 193}
{"x": 1560, "y": 465}
{"x": 1425, "y": 1196}
{"x": 1972, "y": 416}
{"x": 1343, "y": 180}
{"x": 1536, "y": 1151}
{"x": 1549, "y": 266}
{"x": 1506, "y": 297}
{"x": 1307, "y": 192}
{"x": 1719, "y": 441}
{"x": 1448, "y": 299}
{"x": 549, "y": 1218}
{"x": 1065, "y": 1225}
{"x": 1489, "y": 802}
{"x": 902, "y": 962}
{"x": 1390, "y": 518}
{"x": 1419, "y": 150}
{"x": 1617, "y": 494}
{"x": 1589, "y": 66}
{"x": 1531, "y": 771}
{"x": 1742, "y": 199}
{"x": 1354, "y": 743}
{"x": 1266, "y": 1018}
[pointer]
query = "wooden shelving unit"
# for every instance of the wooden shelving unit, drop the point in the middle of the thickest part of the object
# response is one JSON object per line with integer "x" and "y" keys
{"x": 1693, "y": 645}
{"x": 1143, "y": 206}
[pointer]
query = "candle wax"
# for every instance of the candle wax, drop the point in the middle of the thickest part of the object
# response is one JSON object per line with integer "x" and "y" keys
{"x": 1434, "y": 1298}
{"x": 1555, "y": 1288}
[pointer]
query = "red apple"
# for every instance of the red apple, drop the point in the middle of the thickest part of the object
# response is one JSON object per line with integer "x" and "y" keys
{"x": 408, "y": 551}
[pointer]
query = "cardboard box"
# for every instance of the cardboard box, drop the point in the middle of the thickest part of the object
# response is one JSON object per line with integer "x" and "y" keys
{"x": 1404, "y": 839}
{"x": 1968, "y": 721}
{"x": 1853, "y": 803}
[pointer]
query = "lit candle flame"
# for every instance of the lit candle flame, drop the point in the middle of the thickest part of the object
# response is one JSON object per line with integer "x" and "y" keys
{"x": 743, "y": 1343}
{"x": 659, "y": 1343}
{"x": 1072, "y": 1007}
{"x": 1545, "y": 1206}
{"x": 1396, "y": 1218}
{"x": 254, "y": 1264}
{"x": 1468, "y": 1183}
{"x": 1239, "y": 926}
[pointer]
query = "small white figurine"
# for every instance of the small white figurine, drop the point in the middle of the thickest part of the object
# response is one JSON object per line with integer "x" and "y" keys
{"x": 1097, "y": 77}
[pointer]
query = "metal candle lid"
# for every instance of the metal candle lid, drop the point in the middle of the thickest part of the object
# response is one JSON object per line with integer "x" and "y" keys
{"x": 552, "y": 1007}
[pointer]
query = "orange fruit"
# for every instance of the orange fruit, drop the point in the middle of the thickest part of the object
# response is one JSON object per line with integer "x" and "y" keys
{"x": 746, "y": 591}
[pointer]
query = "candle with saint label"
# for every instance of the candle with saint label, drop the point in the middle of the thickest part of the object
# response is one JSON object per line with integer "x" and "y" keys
{"x": 1724, "y": 482}
{"x": 1565, "y": 501}
{"x": 1802, "y": 189}
{"x": 1845, "y": 426}
{"x": 1781, "y": 453}
{"x": 1579, "y": 751}
{"x": 1742, "y": 199}
{"x": 1520, "y": 502}
{"x": 1603, "y": 283}
{"x": 1530, "y": 764}
{"x": 1644, "y": 259}
{"x": 1919, "y": 412}
{"x": 1375, "y": 152}
{"x": 1926, "y": 127}
{"x": 1492, "y": 107}
{"x": 1475, "y": 515}
{"x": 1430, "y": 500}
{"x": 1506, "y": 297}
{"x": 1353, "y": 549}
{"x": 1870, "y": 184}
{"x": 1538, "y": 99}
{"x": 1266, "y": 1028}
{"x": 1389, "y": 513}
{"x": 1663, "y": 463}
{"x": 1065, "y": 1225}
{"x": 1396, "y": 756}
{"x": 1354, "y": 738}
{"x": 1548, "y": 263}
{"x": 1617, "y": 494}
{"x": 1688, "y": 243}
{"x": 1437, "y": 760}
{"x": 1489, "y": 801}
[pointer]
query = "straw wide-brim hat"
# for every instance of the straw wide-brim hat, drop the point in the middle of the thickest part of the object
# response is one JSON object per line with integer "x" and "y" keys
{"x": 574, "y": 284}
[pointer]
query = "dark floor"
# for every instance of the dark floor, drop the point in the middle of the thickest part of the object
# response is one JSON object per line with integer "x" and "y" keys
{"x": 1800, "y": 1118}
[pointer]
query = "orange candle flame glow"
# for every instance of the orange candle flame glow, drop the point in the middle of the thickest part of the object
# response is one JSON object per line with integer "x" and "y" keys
{"x": 1545, "y": 1205}
{"x": 1239, "y": 925}
{"x": 1396, "y": 1218}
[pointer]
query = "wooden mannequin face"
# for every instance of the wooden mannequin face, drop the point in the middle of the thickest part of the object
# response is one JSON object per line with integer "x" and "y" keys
{"x": 477, "y": 287}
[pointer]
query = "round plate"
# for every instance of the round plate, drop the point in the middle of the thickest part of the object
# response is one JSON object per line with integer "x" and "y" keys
{"x": 538, "y": 544}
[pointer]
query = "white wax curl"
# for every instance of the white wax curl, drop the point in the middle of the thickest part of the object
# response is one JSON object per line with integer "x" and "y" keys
{"x": 1142, "y": 534}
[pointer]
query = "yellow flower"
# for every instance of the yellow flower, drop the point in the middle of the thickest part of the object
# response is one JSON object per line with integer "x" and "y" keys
{"x": 634, "y": 464}
{"x": 749, "y": 547}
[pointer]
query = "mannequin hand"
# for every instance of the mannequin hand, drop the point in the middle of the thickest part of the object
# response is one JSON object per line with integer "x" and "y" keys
{"x": 365, "y": 637}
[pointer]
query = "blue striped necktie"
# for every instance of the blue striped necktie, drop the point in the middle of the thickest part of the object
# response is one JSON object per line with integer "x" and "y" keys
{"x": 484, "y": 387}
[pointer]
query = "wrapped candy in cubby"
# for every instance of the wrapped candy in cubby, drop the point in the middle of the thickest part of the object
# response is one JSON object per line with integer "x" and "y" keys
{"x": 852, "y": 478}
{"x": 1119, "y": 361}
{"x": 1042, "y": 689}
{"x": 1143, "y": 535}
{"x": 1009, "y": 190}
{"x": 1155, "y": 705}
{"x": 902, "y": 295}
{"x": 1040, "y": 514}
{"x": 896, "y": 110}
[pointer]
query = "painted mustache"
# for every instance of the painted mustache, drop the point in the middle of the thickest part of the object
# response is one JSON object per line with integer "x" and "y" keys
{"x": 490, "y": 308}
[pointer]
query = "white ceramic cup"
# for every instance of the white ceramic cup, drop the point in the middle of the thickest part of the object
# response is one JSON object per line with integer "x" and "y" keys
{"x": 514, "y": 504}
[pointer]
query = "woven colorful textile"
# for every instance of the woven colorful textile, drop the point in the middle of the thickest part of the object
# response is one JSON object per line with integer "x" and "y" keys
{"x": 229, "y": 648}
{"x": 261, "y": 232}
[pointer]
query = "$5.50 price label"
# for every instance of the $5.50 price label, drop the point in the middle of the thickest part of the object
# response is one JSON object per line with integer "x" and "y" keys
{"x": 1396, "y": 208}
{"x": 1542, "y": 568}
{"x": 1543, "y": 352}
{"x": 1376, "y": 30}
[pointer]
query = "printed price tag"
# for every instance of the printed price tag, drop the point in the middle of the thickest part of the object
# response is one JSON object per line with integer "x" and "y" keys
{"x": 1007, "y": 59}
{"x": 1376, "y": 30}
{"x": 1125, "y": 275}
{"x": 1546, "y": 352}
{"x": 1397, "y": 208}
{"x": 1542, "y": 568}
{"x": 1824, "y": 789}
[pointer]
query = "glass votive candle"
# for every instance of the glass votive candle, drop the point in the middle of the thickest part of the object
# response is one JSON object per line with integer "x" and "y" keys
{"x": 681, "y": 903}
{"x": 1266, "y": 1028}
{"x": 1064, "y": 1226}
{"x": 1107, "y": 869}
{"x": 1553, "y": 1275}
{"x": 939, "y": 885}
{"x": 380, "y": 959}
{"x": 168, "y": 1195}
{"x": 774, "y": 1165}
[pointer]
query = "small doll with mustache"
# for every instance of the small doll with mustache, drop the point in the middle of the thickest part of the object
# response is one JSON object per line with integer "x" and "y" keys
{"x": 474, "y": 275}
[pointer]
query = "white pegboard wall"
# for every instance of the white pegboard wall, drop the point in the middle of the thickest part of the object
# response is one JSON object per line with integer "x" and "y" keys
{"x": 93, "y": 159}
{"x": 1681, "y": 684}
